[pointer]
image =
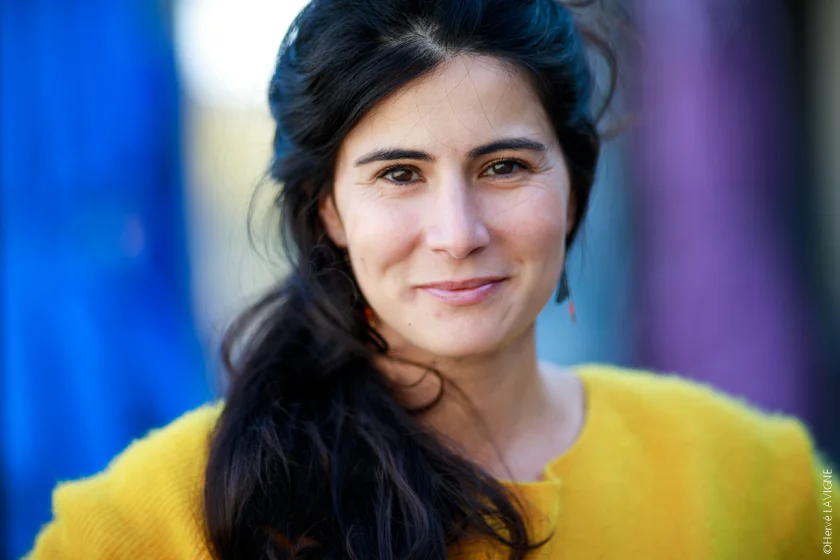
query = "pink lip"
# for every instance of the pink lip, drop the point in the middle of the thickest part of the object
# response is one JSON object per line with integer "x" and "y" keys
{"x": 467, "y": 292}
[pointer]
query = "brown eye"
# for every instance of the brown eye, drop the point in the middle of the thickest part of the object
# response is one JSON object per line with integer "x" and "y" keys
{"x": 399, "y": 175}
{"x": 504, "y": 167}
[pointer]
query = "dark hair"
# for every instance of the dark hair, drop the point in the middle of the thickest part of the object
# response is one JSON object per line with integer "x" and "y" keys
{"x": 314, "y": 456}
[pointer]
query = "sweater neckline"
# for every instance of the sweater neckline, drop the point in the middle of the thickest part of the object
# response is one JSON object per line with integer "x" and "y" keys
{"x": 592, "y": 412}
{"x": 542, "y": 498}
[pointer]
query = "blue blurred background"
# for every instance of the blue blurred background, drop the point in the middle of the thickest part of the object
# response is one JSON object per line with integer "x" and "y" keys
{"x": 133, "y": 133}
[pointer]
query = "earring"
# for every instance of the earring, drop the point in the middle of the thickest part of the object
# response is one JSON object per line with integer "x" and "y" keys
{"x": 564, "y": 292}
{"x": 369, "y": 316}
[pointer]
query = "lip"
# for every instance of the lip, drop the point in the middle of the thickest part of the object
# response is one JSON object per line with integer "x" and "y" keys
{"x": 464, "y": 292}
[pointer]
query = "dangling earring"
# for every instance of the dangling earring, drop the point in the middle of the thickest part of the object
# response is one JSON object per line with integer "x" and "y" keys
{"x": 563, "y": 292}
{"x": 369, "y": 316}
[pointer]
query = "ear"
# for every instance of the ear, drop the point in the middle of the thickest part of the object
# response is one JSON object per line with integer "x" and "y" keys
{"x": 571, "y": 212}
{"x": 331, "y": 219}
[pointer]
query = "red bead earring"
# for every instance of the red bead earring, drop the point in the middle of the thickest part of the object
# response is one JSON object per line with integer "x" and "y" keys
{"x": 369, "y": 316}
{"x": 564, "y": 292}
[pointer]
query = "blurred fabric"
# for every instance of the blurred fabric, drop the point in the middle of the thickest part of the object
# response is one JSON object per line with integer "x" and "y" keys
{"x": 97, "y": 336}
{"x": 724, "y": 291}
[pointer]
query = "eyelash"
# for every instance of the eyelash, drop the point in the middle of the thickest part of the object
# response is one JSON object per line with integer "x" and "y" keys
{"x": 524, "y": 167}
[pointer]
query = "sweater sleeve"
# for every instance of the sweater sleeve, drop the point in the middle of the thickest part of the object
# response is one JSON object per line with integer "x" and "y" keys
{"x": 146, "y": 504}
{"x": 808, "y": 497}
{"x": 89, "y": 521}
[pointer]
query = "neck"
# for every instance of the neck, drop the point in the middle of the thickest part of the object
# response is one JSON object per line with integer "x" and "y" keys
{"x": 488, "y": 403}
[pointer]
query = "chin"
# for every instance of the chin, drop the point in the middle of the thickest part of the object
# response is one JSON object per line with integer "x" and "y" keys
{"x": 454, "y": 346}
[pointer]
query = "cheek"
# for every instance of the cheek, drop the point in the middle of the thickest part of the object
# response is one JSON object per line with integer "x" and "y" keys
{"x": 532, "y": 223}
{"x": 381, "y": 233}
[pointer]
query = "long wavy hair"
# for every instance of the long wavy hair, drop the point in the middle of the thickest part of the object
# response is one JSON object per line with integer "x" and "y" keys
{"x": 314, "y": 456}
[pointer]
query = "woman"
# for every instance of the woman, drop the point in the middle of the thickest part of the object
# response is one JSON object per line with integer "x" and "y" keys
{"x": 386, "y": 401}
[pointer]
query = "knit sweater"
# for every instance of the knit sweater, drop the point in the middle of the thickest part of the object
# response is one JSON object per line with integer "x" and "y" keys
{"x": 664, "y": 468}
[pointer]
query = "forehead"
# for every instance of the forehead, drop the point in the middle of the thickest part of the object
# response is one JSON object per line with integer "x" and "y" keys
{"x": 465, "y": 102}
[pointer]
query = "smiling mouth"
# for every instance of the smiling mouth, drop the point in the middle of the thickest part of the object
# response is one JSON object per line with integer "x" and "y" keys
{"x": 468, "y": 292}
{"x": 462, "y": 284}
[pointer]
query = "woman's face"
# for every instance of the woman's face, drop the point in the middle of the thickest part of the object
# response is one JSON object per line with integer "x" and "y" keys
{"x": 452, "y": 200}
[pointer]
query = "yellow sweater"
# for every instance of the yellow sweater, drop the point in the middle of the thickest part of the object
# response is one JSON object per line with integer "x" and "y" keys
{"x": 665, "y": 468}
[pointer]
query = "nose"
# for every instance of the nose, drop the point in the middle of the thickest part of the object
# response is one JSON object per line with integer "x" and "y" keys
{"x": 456, "y": 226}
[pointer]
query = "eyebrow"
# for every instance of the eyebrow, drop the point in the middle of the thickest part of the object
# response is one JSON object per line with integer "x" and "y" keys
{"x": 391, "y": 154}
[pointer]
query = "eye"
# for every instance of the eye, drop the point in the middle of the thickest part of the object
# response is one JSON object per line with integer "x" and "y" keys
{"x": 400, "y": 175}
{"x": 504, "y": 167}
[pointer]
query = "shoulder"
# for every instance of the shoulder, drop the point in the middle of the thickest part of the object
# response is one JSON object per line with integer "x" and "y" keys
{"x": 658, "y": 394}
{"x": 149, "y": 497}
{"x": 679, "y": 407}
{"x": 674, "y": 409}
{"x": 722, "y": 451}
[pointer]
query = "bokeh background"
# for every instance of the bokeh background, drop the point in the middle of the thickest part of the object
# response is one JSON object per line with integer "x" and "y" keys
{"x": 133, "y": 134}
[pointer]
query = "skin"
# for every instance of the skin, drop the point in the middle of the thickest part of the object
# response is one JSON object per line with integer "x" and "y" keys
{"x": 453, "y": 215}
